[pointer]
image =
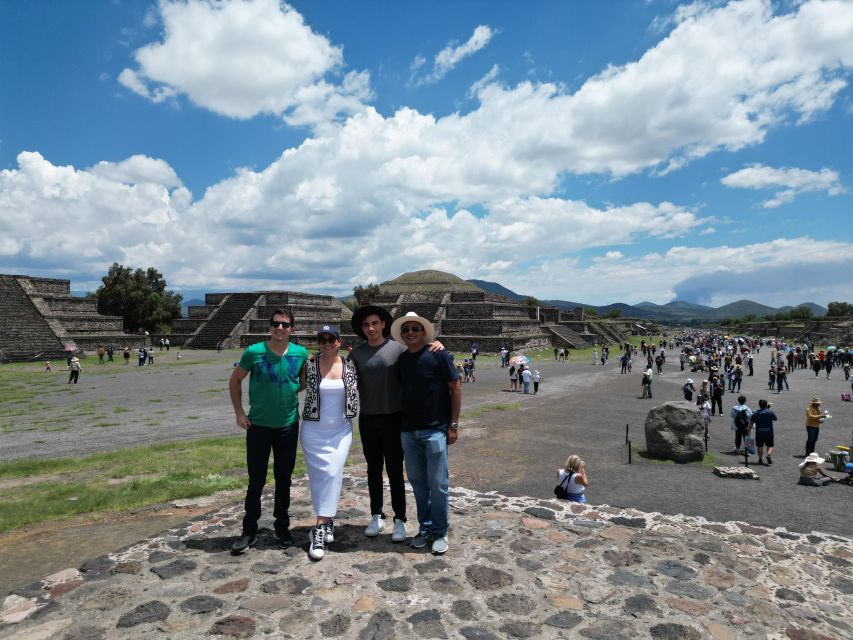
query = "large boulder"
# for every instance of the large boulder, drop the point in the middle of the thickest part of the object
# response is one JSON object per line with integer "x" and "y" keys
{"x": 674, "y": 431}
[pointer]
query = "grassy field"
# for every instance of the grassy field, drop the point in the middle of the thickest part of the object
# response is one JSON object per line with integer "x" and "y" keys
{"x": 37, "y": 490}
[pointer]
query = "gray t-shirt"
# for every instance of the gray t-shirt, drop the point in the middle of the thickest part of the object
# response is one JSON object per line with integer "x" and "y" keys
{"x": 379, "y": 377}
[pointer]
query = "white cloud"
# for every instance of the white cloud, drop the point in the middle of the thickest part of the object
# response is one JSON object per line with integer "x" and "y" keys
{"x": 242, "y": 58}
{"x": 485, "y": 81}
{"x": 136, "y": 169}
{"x": 447, "y": 59}
{"x": 721, "y": 79}
{"x": 794, "y": 181}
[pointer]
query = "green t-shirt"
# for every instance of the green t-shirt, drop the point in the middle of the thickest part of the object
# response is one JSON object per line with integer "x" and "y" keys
{"x": 273, "y": 384}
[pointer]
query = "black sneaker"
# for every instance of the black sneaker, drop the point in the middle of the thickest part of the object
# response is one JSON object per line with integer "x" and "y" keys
{"x": 241, "y": 545}
{"x": 769, "y": 460}
{"x": 284, "y": 537}
{"x": 317, "y": 548}
{"x": 330, "y": 530}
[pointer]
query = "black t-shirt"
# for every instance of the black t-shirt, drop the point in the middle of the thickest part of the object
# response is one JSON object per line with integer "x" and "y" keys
{"x": 424, "y": 377}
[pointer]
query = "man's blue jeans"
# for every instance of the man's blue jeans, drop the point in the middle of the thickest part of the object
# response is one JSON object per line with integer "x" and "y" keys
{"x": 425, "y": 454}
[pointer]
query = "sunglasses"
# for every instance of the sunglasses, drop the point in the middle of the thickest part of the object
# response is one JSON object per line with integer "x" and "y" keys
{"x": 413, "y": 329}
{"x": 281, "y": 324}
{"x": 331, "y": 340}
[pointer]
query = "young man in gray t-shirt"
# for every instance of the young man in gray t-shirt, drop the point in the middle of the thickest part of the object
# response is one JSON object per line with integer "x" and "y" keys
{"x": 380, "y": 415}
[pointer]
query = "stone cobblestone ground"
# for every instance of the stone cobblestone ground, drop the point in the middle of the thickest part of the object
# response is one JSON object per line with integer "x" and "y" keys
{"x": 518, "y": 567}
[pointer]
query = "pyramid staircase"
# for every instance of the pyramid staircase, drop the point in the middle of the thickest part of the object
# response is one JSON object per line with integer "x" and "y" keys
{"x": 225, "y": 320}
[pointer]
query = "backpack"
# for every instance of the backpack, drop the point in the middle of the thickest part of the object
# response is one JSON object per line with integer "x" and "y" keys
{"x": 560, "y": 490}
{"x": 742, "y": 420}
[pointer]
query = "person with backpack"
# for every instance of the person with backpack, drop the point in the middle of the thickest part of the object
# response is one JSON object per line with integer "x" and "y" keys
{"x": 572, "y": 479}
{"x": 741, "y": 417}
{"x": 688, "y": 390}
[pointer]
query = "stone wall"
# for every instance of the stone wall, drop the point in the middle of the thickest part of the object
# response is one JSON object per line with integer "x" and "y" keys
{"x": 200, "y": 311}
{"x": 23, "y": 331}
{"x": 50, "y": 285}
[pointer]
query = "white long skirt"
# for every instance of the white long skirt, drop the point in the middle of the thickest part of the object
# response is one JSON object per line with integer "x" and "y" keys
{"x": 325, "y": 445}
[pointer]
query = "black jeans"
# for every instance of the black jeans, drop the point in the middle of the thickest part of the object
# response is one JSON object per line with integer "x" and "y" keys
{"x": 260, "y": 441}
{"x": 717, "y": 402}
{"x": 811, "y": 440}
{"x": 380, "y": 440}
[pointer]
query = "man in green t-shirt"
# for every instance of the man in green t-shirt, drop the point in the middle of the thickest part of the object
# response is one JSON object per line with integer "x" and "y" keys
{"x": 277, "y": 375}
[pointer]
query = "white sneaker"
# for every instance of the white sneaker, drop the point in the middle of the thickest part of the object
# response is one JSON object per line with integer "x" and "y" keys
{"x": 376, "y": 526}
{"x": 399, "y": 534}
{"x": 317, "y": 548}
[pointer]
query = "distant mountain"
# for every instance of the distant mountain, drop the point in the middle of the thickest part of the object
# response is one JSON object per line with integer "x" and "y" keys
{"x": 494, "y": 287}
{"x": 816, "y": 309}
{"x": 743, "y": 308}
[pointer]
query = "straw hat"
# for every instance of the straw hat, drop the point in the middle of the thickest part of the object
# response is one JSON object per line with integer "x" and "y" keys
{"x": 812, "y": 457}
{"x": 429, "y": 330}
{"x": 816, "y": 401}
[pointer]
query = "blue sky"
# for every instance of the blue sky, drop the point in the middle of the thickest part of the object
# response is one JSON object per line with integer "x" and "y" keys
{"x": 592, "y": 151}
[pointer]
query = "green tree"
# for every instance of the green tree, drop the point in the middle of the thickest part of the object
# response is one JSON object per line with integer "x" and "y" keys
{"x": 589, "y": 311}
{"x": 139, "y": 297}
{"x": 839, "y": 309}
{"x": 613, "y": 313}
{"x": 366, "y": 295}
{"x": 530, "y": 301}
{"x": 800, "y": 313}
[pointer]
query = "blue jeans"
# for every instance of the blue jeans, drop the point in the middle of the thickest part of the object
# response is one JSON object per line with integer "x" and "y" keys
{"x": 526, "y": 387}
{"x": 425, "y": 455}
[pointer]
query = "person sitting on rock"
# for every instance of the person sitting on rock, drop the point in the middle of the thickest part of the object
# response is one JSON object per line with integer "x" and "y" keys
{"x": 810, "y": 469}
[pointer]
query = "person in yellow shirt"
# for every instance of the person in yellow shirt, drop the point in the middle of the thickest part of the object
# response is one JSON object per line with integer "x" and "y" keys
{"x": 814, "y": 418}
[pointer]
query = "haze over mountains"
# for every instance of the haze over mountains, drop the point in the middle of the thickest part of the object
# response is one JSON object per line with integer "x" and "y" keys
{"x": 677, "y": 310}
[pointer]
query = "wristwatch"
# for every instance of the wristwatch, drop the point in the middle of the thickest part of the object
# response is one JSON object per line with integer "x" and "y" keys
{"x": 454, "y": 425}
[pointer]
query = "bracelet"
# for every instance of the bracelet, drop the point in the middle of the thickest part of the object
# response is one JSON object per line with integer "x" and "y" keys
{"x": 454, "y": 425}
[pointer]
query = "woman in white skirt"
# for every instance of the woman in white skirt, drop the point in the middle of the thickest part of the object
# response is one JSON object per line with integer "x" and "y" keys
{"x": 331, "y": 402}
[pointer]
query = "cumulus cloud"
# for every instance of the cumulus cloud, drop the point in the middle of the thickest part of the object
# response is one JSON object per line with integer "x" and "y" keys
{"x": 242, "y": 58}
{"x": 721, "y": 79}
{"x": 447, "y": 59}
{"x": 136, "y": 169}
{"x": 777, "y": 272}
{"x": 794, "y": 181}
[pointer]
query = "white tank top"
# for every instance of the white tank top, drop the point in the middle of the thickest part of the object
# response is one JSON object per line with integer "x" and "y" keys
{"x": 573, "y": 488}
{"x": 332, "y": 400}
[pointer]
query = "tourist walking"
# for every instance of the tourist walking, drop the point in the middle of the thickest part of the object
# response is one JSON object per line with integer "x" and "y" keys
{"x": 379, "y": 421}
{"x": 741, "y": 416}
{"x": 688, "y": 389}
{"x": 272, "y": 424}
{"x": 432, "y": 400}
{"x": 647, "y": 383}
{"x": 513, "y": 378}
{"x": 331, "y": 402}
{"x": 75, "y": 368}
{"x": 763, "y": 420}
{"x": 536, "y": 378}
{"x": 526, "y": 377}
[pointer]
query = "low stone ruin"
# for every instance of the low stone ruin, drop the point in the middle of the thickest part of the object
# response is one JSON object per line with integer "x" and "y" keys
{"x": 674, "y": 431}
{"x": 741, "y": 473}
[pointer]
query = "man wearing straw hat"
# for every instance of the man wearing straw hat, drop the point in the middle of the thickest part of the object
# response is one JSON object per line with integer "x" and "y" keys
{"x": 432, "y": 399}
{"x": 379, "y": 418}
{"x": 814, "y": 418}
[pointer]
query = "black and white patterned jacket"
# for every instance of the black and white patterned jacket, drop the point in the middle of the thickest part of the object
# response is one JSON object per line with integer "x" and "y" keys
{"x": 311, "y": 410}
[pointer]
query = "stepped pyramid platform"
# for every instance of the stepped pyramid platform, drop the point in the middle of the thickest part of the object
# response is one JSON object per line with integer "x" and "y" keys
{"x": 241, "y": 319}
{"x": 518, "y": 567}
{"x": 39, "y": 318}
